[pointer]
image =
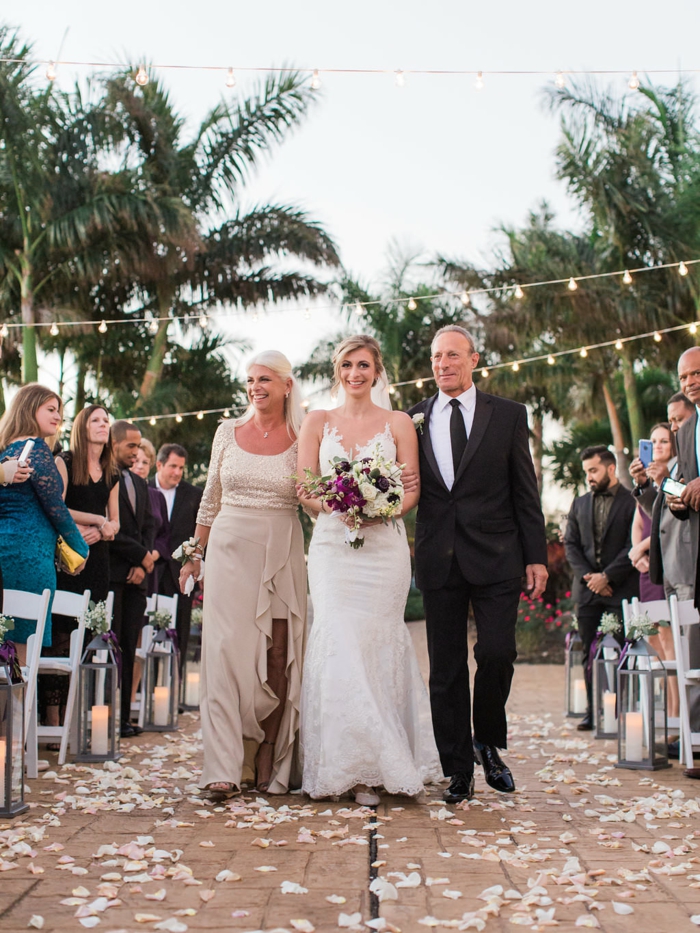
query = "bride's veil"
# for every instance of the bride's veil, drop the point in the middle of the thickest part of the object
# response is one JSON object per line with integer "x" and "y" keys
{"x": 380, "y": 393}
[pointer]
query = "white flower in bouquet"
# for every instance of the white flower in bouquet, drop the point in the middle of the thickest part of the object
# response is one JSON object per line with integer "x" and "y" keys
{"x": 609, "y": 624}
{"x": 188, "y": 550}
{"x": 160, "y": 618}
{"x": 368, "y": 492}
{"x": 96, "y": 618}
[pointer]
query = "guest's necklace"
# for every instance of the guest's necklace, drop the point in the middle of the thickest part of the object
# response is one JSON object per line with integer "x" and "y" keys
{"x": 267, "y": 433}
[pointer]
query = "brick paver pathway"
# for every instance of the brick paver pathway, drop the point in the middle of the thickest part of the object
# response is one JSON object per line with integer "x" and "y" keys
{"x": 580, "y": 845}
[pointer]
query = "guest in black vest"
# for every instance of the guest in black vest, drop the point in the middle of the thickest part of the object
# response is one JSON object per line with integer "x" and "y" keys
{"x": 598, "y": 540}
{"x": 183, "y": 500}
{"x": 130, "y": 558}
{"x": 479, "y": 531}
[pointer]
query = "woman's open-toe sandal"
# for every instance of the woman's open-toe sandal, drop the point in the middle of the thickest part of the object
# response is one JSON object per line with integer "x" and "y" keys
{"x": 263, "y": 786}
{"x": 222, "y": 790}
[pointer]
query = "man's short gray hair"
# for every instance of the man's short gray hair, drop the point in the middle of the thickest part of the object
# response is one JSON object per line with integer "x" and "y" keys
{"x": 457, "y": 329}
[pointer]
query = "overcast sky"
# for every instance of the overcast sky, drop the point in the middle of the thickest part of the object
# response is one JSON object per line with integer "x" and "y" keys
{"x": 435, "y": 164}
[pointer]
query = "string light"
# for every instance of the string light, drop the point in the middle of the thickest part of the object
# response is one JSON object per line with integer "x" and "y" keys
{"x": 307, "y": 315}
{"x": 399, "y": 79}
{"x": 693, "y": 329}
{"x": 358, "y": 309}
{"x": 519, "y": 293}
{"x": 152, "y": 422}
{"x": 515, "y": 367}
{"x": 200, "y": 415}
{"x": 178, "y": 418}
{"x": 551, "y": 360}
{"x": 618, "y": 344}
{"x": 633, "y": 83}
{"x": 305, "y": 403}
{"x": 315, "y": 80}
{"x": 4, "y": 331}
{"x": 226, "y": 413}
{"x": 141, "y": 77}
{"x": 54, "y": 329}
{"x": 573, "y": 284}
{"x": 682, "y": 268}
{"x": 657, "y": 337}
{"x": 51, "y": 73}
{"x": 465, "y": 299}
{"x": 627, "y": 278}
{"x": 485, "y": 373}
{"x": 419, "y": 384}
{"x": 391, "y": 390}
{"x": 411, "y": 304}
{"x": 203, "y": 321}
{"x": 559, "y": 79}
{"x": 153, "y": 326}
{"x": 103, "y": 327}
{"x": 230, "y": 78}
{"x": 583, "y": 352}
{"x": 479, "y": 83}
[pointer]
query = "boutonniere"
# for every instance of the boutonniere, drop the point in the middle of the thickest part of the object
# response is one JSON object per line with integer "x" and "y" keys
{"x": 419, "y": 421}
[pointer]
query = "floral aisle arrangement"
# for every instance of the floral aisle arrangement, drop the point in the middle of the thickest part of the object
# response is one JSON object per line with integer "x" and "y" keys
{"x": 96, "y": 618}
{"x": 160, "y": 618}
{"x": 8, "y": 652}
{"x": 363, "y": 490}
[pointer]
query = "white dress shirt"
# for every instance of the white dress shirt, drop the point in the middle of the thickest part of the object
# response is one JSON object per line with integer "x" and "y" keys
{"x": 169, "y": 496}
{"x": 440, "y": 429}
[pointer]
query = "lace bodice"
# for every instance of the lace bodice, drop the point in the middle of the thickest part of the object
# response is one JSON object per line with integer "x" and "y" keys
{"x": 245, "y": 480}
{"x": 332, "y": 446}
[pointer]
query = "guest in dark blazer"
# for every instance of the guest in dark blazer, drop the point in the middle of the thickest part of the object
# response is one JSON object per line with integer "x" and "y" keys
{"x": 479, "y": 531}
{"x": 182, "y": 500}
{"x": 597, "y": 541}
{"x": 130, "y": 558}
{"x": 145, "y": 462}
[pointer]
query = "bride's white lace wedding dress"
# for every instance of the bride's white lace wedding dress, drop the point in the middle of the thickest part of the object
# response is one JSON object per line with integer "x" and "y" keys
{"x": 365, "y": 712}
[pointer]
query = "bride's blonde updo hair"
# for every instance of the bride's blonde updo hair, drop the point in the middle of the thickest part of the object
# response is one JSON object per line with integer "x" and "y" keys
{"x": 349, "y": 345}
{"x": 279, "y": 364}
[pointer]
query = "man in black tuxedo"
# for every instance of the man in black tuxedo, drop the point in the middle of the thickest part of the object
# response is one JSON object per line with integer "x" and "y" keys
{"x": 597, "y": 541}
{"x": 130, "y": 558}
{"x": 183, "y": 500}
{"x": 479, "y": 530}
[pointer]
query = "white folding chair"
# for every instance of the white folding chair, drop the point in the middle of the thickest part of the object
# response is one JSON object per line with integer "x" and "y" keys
{"x": 683, "y": 615}
{"x": 153, "y": 603}
{"x": 73, "y": 605}
{"x": 34, "y": 607}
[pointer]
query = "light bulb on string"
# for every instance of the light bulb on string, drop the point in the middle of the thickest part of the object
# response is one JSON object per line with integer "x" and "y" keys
{"x": 419, "y": 384}
{"x": 633, "y": 83}
{"x": 4, "y": 331}
{"x": 203, "y": 321}
{"x": 54, "y": 329}
{"x": 559, "y": 79}
{"x": 479, "y": 83}
{"x": 51, "y": 73}
{"x": 315, "y": 80}
{"x": 141, "y": 77}
{"x": 230, "y": 78}
{"x": 551, "y": 360}
{"x": 519, "y": 293}
{"x": 307, "y": 315}
{"x": 152, "y": 422}
{"x": 693, "y": 329}
{"x": 515, "y": 367}
{"x": 583, "y": 352}
{"x": 200, "y": 415}
{"x": 627, "y": 277}
{"x": 465, "y": 299}
{"x": 399, "y": 78}
{"x": 573, "y": 284}
{"x": 682, "y": 268}
{"x": 657, "y": 337}
{"x": 153, "y": 326}
{"x": 226, "y": 413}
{"x": 358, "y": 309}
{"x": 178, "y": 418}
{"x": 103, "y": 327}
{"x": 485, "y": 373}
{"x": 305, "y": 403}
{"x": 618, "y": 344}
{"x": 411, "y": 304}
{"x": 392, "y": 390}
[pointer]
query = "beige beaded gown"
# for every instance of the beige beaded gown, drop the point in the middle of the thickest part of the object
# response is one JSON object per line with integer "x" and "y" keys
{"x": 255, "y": 572}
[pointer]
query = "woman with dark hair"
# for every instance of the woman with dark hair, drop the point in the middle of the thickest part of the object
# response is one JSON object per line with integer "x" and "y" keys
{"x": 145, "y": 462}
{"x": 33, "y": 514}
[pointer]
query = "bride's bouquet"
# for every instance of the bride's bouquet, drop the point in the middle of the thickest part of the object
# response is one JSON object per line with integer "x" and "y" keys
{"x": 363, "y": 489}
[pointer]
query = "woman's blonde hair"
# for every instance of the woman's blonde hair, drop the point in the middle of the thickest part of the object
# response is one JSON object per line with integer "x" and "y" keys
{"x": 147, "y": 447}
{"x": 280, "y": 365}
{"x": 20, "y": 418}
{"x": 80, "y": 469}
{"x": 349, "y": 345}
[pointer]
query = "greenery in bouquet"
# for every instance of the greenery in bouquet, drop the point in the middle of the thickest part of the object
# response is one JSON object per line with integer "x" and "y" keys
{"x": 643, "y": 627}
{"x": 7, "y": 623}
{"x": 96, "y": 618}
{"x": 160, "y": 618}
{"x": 609, "y": 624}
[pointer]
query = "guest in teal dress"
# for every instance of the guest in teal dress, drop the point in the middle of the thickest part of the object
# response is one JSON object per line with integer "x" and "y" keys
{"x": 33, "y": 514}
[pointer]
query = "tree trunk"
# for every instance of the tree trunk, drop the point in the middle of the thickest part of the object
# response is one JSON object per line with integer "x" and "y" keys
{"x": 537, "y": 447}
{"x": 2, "y": 397}
{"x": 80, "y": 387}
{"x": 634, "y": 408}
{"x": 623, "y": 460}
{"x": 154, "y": 370}
{"x": 30, "y": 368}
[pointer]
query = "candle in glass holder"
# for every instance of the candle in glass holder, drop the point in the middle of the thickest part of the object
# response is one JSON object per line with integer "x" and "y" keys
{"x": 99, "y": 737}
{"x": 161, "y": 706}
{"x": 192, "y": 689}
{"x": 580, "y": 697}
{"x": 634, "y": 736}
{"x": 609, "y": 717}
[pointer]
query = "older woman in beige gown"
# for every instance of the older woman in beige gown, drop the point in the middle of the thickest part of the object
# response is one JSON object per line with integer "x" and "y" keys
{"x": 255, "y": 589}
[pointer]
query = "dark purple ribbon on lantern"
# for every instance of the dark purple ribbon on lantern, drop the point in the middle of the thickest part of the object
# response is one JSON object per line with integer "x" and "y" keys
{"x": 8, "y": 659}
{"x": 167, "y": 634}
{"x": 111, "y": 640}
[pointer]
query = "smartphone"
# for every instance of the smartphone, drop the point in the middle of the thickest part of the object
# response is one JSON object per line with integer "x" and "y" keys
{"x": 646, "y": 452}
{"x": 672, "y": 487}
{"x": 26, "y": 450}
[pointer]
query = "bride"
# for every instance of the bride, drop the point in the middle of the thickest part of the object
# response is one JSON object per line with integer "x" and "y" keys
{"x": 365, "y": 713}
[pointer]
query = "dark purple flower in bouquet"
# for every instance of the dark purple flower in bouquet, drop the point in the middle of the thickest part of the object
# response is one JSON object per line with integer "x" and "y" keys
{"x": 383, "y": 484}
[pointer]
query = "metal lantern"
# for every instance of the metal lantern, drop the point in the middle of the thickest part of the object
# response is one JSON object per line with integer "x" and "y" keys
{"x": 12, "y": 689}
{"x": 576, "y": 695}
{"x": 191, "y": 677}
{"x": 161, "y": 681}
{"x": 642, "y": 710}
{"x": 607, "y": 657}
{"x": 99, "y": 707}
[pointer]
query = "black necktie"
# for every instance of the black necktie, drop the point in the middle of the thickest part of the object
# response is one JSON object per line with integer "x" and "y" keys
{"x": 458, "y": 434}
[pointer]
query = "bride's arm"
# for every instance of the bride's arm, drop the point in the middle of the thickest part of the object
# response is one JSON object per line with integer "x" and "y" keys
{"x": 404, "y": 432}
{"x": 309, "y": 444}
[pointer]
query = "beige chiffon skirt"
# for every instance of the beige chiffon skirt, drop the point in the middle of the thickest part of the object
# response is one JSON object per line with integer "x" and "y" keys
{"x": 255, "y": 571}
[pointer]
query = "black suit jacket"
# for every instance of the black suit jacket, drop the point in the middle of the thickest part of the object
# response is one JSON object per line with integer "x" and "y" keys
{"x": 491, "y": 519}
{"x": 617, "y": 541}
{"x": 136, "y": 531}
{"x": 183, "y": 521}
{"x": 689, "y": 468}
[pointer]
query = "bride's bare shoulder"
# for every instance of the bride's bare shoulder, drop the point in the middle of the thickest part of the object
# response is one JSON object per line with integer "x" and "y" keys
{"x": 314, "y": 421}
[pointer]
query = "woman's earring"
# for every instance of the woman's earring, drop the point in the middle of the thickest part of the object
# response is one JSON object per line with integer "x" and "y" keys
{"x": 286, "y": 394}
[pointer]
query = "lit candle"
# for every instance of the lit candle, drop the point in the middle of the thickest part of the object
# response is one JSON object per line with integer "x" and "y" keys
{"x": 192, "y": 689}
{"x": 634, "y": 732}
{"x": 161, "y": 706}
{"x": 99, "y": 737}
{"x": 609, "y": 717}
{"x": 580, "y": 696}
{"x": 3, "y": 765}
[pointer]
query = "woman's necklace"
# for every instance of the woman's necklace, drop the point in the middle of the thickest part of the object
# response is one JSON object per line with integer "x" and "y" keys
{"x": 267, "y": 433}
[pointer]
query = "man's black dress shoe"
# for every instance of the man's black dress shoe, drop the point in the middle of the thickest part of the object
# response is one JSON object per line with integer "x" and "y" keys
{"x": 496, "y": 773}
{"x": 128, "y": 730}
{"x": 586, "y": 724}
{"x": 674, "y": 750}
{"x": 461, "y": 788}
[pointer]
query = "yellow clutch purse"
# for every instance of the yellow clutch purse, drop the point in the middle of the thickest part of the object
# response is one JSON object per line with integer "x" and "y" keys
{"x": 67, "y": 559}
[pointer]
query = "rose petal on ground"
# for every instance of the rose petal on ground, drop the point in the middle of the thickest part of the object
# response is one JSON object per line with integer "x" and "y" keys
{"x": 206, "y": 895}
{"x": 207, "y": 844}
{"x": 587, "y": 920}
{"x": 350, "y": 920}
{"x": 227, "y": 875}
{"x": 336, "y": 899}
{"x": 621, "y": 908}
{"x": 291, "y": 887}
{"x": 147, "y": 918}
{"x": 303, "y": 926}
{"x": 237, "y": 914}
{"x": 453, "y": 895}
{"x": 89, "y": 921}
{"x": 172, "y": 925}
{"x": 157, "y": 895}
{"x": 36, "y": 921}
{"x": 265, "y": 868}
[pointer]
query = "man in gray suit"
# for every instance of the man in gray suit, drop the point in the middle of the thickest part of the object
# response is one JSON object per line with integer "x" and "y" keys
{"x": 688, "y": 441}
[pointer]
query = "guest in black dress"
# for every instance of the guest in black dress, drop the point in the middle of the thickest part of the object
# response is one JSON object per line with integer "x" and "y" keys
{"x": 145, "y": 462}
